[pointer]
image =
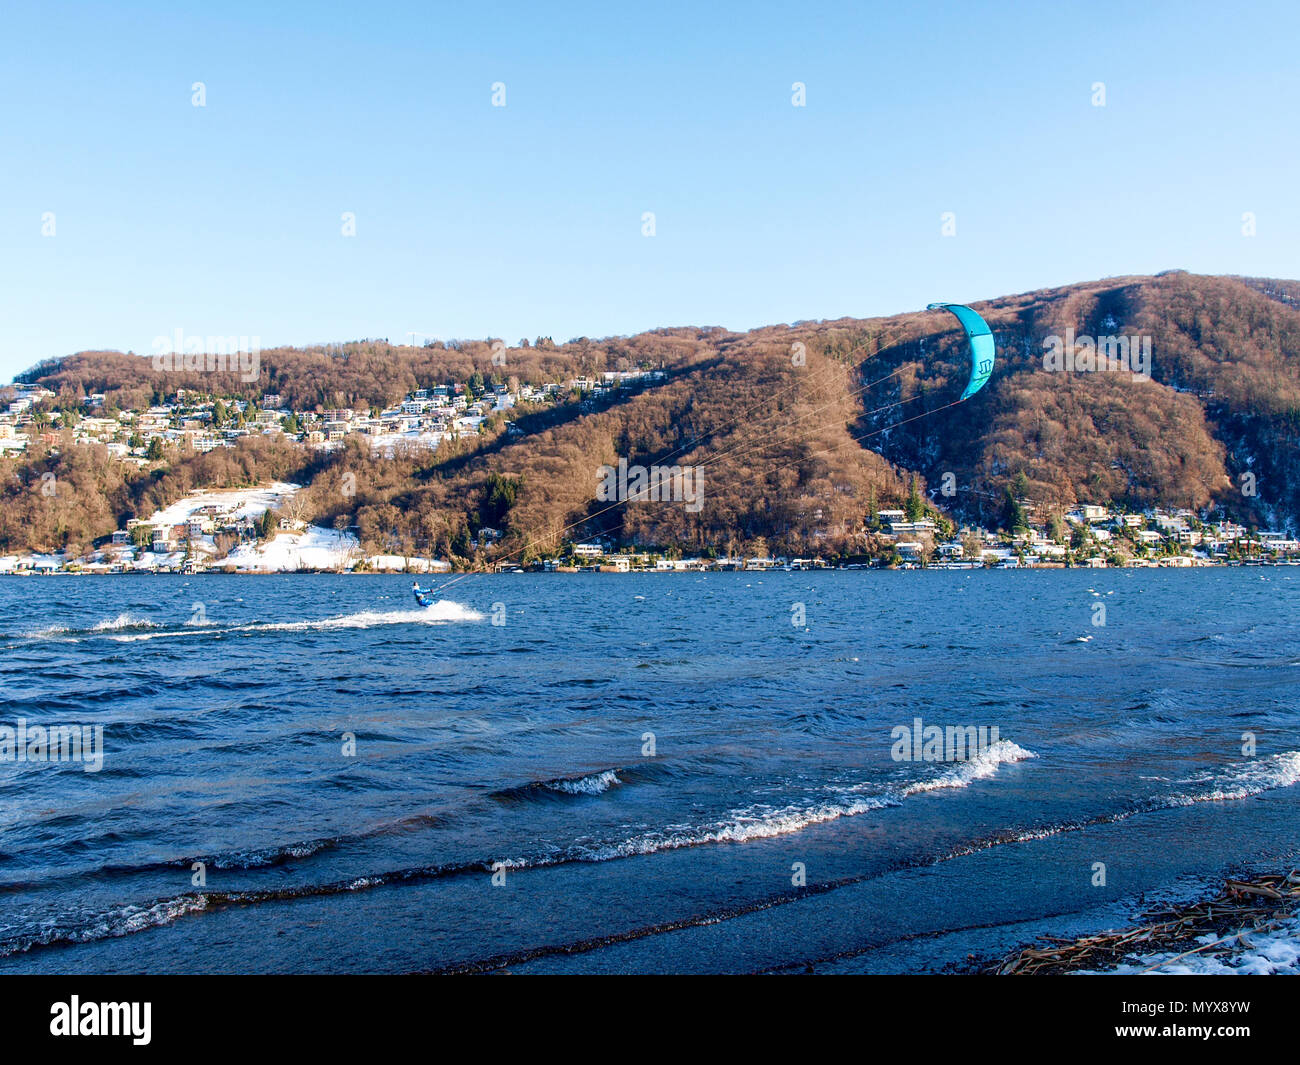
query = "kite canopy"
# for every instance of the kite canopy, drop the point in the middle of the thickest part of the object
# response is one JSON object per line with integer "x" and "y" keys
{"x": 981, "y": 345}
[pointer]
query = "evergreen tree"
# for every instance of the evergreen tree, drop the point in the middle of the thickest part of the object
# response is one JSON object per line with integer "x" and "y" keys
{"x": 1013, "y": 514}
{"x": 915, "y": 506}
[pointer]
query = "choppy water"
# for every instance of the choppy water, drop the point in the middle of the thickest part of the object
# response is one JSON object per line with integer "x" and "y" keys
{"x": 230, "y": 707}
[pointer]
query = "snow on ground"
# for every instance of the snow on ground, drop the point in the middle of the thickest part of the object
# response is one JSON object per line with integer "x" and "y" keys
{"x": 388, "y": 444}
{"x": 309, "y": 548}
{"x": 313, "y": 548}
{"x": 1275, "y": 952}
{"x": 151, "y": 560}
{"x": 9, "y": 563}
{"x": 238, "y": 502}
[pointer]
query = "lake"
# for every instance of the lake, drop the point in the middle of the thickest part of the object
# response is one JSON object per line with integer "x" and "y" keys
{"x": 734, "y": 772}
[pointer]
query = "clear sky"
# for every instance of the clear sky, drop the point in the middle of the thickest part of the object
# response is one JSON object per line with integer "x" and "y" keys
{"x": 524, "y": 220}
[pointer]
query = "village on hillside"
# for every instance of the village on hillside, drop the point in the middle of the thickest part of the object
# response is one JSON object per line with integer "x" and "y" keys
{"x": 261, "y": 530}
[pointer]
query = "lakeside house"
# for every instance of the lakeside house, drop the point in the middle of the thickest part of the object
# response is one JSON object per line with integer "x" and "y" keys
{"x": 183, "y": 538}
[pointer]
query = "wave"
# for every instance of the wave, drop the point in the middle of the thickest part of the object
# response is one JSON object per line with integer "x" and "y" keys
{"x": 763, "y": 822}
{"x": 126, "y": 919}
{"x": 1236, "y": 781}
{"x": 1240, "y": 780}
{"x": 234, "y": 861}
{"x": 758, "y": 821}
{"x": 596, "y": 784}
{"x": 121, "y": 623}
{"x": 591, "y": 784}
{"x": 981, "y": 767}
{"x": 129, "y": 628}
{"x": 119, "y": 921}
{"x": 737, "y": 826}
{"x": 440, "y": 613}
{"x": 261, "y": 858}
{"x": 242, "y": 860}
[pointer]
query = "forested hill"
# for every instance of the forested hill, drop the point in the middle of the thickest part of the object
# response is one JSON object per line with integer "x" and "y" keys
{"x": 1223, "y": 400}
{"x": 800, "y": 430}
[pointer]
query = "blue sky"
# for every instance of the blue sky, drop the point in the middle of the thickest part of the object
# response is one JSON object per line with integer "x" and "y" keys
{"x": 526, "y": 220}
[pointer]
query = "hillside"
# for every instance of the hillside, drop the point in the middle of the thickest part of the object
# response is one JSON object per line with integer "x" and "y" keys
{"x": 1223, "y": 400}
{"x": 785, "y": 422}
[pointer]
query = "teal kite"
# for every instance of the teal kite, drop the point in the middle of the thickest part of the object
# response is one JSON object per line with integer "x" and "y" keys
{"x": 981, "y": 345}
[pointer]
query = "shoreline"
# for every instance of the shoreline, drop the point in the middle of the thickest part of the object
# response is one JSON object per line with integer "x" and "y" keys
{"x": 612, "y": 571}
{"x": 1218, "y": 927}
